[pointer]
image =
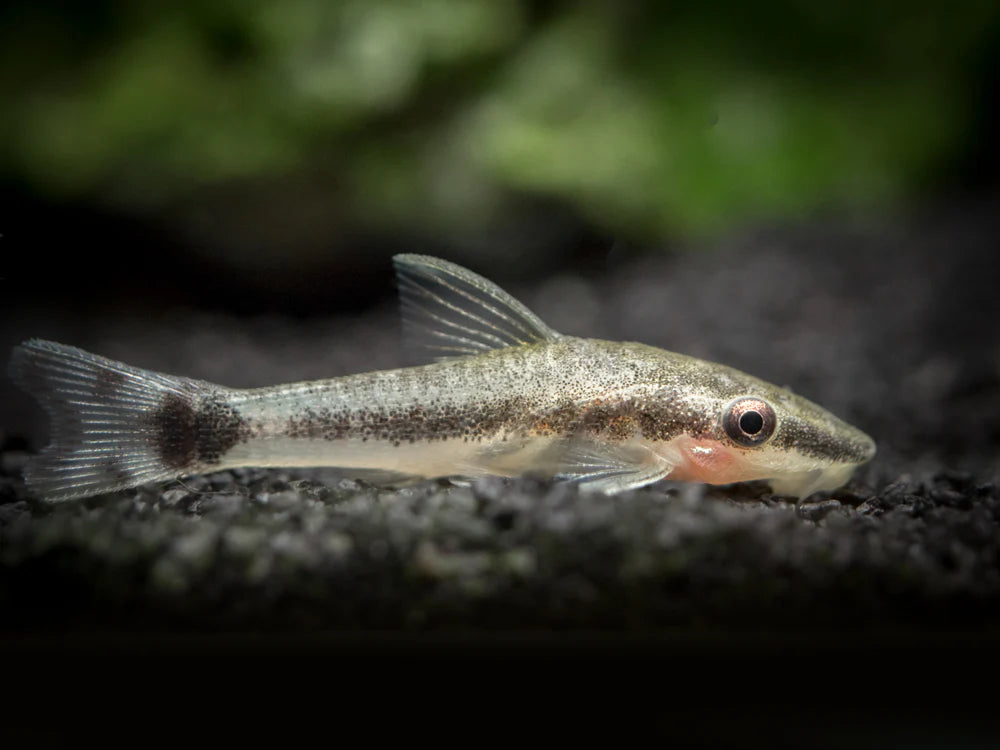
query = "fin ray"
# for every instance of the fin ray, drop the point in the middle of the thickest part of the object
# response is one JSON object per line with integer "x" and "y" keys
{"x": 444, "y": 304}
{"x": 103, "y": 439}
{"x": 419, "y": 312}
{"x": 525, "y": 333}
{"x": 602, "y": 466}
{"x": 455, "y": 310}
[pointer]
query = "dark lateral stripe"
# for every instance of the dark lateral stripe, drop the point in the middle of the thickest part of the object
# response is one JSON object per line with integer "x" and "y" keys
{"x": 613, "y": 420}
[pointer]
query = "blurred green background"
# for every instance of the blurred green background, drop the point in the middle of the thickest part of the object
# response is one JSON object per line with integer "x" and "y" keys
{"x": 262, "y": 131}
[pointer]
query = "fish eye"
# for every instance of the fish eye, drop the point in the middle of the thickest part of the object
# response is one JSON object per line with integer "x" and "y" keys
{"x": 749, "y": 421}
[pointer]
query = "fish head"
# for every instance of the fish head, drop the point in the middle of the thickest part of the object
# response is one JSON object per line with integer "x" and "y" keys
{"x": 745, "y": 429}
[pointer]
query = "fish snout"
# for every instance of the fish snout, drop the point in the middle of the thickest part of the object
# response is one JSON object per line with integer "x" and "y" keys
{"x": 855, "y": 447}
{"x": 825, "y": 439}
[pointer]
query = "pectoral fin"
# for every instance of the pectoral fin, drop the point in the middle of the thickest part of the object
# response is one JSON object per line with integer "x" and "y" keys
{"x": 610, "y": 467}
{"x": 597, "y": 465}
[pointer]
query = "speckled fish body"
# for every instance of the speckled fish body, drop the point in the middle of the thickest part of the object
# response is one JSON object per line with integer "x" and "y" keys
{"x": 509, "y": 396}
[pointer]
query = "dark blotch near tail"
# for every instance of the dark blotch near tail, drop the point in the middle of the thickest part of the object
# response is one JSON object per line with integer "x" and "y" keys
{"x": 197, "y": 432}
{"x": 176, "y": 432}
{"x": 116, "y": 426}
{"x": 219, "y": 427}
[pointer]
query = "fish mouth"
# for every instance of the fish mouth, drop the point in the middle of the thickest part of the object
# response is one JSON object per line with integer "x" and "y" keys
{"x": 851, "y": 449}
{"x": 827, "y": 472}
{"x": 801, "y": 484}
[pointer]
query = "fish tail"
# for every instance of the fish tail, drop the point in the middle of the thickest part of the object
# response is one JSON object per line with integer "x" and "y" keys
{"x": 115, "y": 426}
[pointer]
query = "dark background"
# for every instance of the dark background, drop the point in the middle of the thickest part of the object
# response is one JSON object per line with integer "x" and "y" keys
{"x": 270, "y": 156}
{"x": 807, "y": 192}
{"x": 267, "y": 159}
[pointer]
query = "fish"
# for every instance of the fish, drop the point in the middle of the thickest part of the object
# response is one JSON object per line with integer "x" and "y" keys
{"x": 500, "y": 394}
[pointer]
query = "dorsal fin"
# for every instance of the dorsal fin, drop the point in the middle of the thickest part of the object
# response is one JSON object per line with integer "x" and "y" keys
{"x": 451, "y": 312}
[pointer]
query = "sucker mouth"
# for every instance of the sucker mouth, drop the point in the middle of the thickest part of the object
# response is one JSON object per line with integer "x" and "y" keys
{"x": 805, "y": 483}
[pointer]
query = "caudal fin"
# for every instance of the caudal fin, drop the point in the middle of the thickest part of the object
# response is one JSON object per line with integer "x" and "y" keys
{"x": 113, "y": 426}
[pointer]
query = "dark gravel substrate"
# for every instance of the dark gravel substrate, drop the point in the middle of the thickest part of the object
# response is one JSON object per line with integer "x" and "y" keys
{"x": 254, "y": 548}
{"x": 894, "y": 326}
